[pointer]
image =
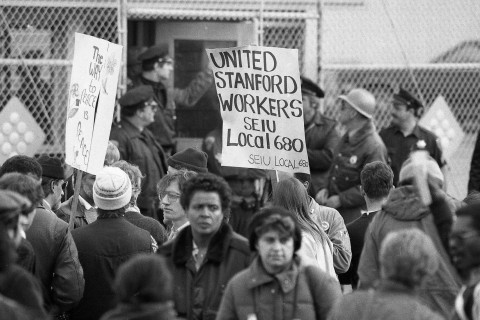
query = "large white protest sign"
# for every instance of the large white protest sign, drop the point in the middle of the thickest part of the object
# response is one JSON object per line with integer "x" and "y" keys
{"x": 261, "y": 105}
{"x": 91, "y": 101}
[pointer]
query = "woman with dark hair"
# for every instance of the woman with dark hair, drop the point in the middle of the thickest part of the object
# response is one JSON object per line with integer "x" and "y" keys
{"x": 278, "y": 285}
{"x": 317, "y": 247}
{"x": 144, "y": 290}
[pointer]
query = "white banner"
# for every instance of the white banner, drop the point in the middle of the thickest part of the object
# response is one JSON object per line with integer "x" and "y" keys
{"x": 91, "y": 102}
{"x": 260, "y": 97}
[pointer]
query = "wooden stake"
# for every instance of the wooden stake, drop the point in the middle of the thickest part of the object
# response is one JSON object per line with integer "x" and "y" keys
{"x": 78, "y": 182}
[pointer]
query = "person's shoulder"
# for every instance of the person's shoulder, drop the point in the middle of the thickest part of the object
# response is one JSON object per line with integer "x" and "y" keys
{"x": 239, "y": 243}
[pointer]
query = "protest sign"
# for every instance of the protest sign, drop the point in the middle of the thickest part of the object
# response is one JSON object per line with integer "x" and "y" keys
{"x": 260, "y": 99}
{"x": 91, "y": 101}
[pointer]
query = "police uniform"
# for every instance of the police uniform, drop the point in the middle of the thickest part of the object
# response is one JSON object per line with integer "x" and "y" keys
{"x": 142, "y": 149}
{"x": 163, "y": 128}
{"x": 399, "y": 147}
{"x": 321, "y": 138}
{"x": 351, "y": 155}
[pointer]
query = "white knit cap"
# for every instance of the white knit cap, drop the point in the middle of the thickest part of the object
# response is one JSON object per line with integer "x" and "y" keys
{"x": 112, "y": 189}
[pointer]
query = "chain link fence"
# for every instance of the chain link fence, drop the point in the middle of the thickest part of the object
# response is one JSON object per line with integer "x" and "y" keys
{"x": 430, "y": 48}
{"x": 36, "y": 49}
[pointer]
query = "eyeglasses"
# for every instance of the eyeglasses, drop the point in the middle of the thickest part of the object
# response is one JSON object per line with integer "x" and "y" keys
{"x": 152, "y": 104}
{"x": 171, "y": 197}
{"x": 166, "y": 61}
{"x": 462, "y": 237}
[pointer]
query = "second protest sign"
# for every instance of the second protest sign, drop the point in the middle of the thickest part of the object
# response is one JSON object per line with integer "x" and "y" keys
{"x": 259, "y": 91}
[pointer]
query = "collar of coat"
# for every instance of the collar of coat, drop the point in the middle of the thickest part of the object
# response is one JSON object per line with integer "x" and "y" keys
{"x": 217, "y": 248}
{"x": 361, "y": 134}
{"x": 286, "y": 279}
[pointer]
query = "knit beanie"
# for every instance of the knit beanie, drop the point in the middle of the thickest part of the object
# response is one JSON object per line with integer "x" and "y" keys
{"x": 51, "y": 167}
{"x": 112, "y": 189}
{"x": 407, "y": 171}
{"x": 190, "y": 159}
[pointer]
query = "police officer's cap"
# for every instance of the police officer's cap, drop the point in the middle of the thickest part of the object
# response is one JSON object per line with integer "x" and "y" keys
{"x": 311, "y": 88}
{"x": 155, "y": 52}
{"x": 136, "y": 95}
{"x": 406, "y": 98}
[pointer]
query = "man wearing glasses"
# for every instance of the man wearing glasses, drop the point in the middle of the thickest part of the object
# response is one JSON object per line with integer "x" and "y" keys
{"x": 157, "y": 68}
{"x": 138, "y": 146}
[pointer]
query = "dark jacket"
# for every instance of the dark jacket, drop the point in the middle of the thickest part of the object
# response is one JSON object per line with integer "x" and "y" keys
{"x": 399, "y": 147}
{"x": 141, "y": 149}
{"x": 156, "y": 230}
{"x": 22, "y": 287}
{"x": 405, "y": 210}
{"x": 197, "y": 294}
{"x": 321, "y": 139}
{"x": 10, "y": 309}
{"x": 351, "y": 155}
{"x": 142, "y": 311}
{"x": 102, "y": 247}
{"x": 391, "y": 301}
{"x": 26, "y": 256}
{"x": 82, "y": 217}
{"x": 332, "y": 223}
{"x": 57, "y": 265}
{"x": 163, "y": 128}
{"x": 303, "y": 292}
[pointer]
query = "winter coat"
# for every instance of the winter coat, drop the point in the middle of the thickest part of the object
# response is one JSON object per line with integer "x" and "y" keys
{"x": 197, "y": 294}
{"x": 57, "y": 266}
{"x": 147, "y": 223}
{"x": 22, "y": 287}
{"x": 350, "y": 156}
{"x": 83, "y": 216}
{"x": 391, "y": 301}
{"x": 321, "y": 139}
{"x": 330, "y": 221}
{"x": 141, "y": 149}
{"x": 303, "y": 292}
{"x": 142, "y": 311}
{"x": 405, "y": 210}
{"x": 102, "y": 247}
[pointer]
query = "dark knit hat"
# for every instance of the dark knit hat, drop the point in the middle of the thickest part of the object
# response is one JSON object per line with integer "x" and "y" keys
{"x": 12, "y": 205}
{"x": 51, "y": 167}
{"x": 190, "y": 159}
{"x": 112, "y": 189}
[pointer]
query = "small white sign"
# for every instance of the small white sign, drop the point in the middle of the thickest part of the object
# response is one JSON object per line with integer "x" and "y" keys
{"x": 93, "y": 88}
{"x": 260, "y": 97}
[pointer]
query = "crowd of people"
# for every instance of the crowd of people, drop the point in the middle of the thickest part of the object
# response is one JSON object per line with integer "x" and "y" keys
{"x": 158, "y": 234}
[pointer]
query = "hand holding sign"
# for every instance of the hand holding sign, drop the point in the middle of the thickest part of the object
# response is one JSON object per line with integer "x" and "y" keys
{"x": 261, "y": 105}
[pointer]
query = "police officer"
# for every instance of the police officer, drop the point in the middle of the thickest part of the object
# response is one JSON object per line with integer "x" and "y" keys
{"x": 138, "y": 146}
{"x": 321, "y": 135}
{"x": 360, "y": 145}
{"x": 157, "y": 68}
{"x": 405, "y": 135}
